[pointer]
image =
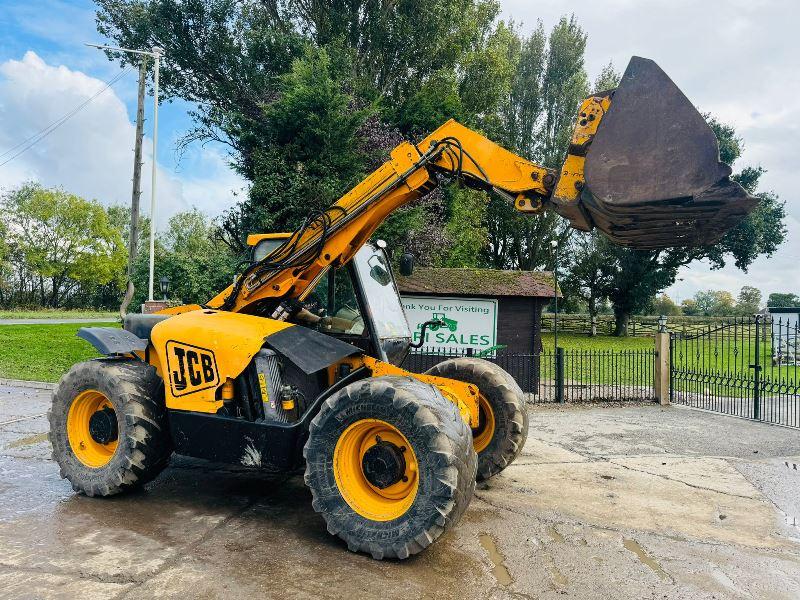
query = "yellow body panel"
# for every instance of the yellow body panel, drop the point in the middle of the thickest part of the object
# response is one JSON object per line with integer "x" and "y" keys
{"x": 254, "y": 238}
{"x": 197, "y": 352}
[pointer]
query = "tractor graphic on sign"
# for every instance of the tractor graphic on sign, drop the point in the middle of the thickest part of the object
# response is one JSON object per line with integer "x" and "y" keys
{"x": 443, "y": 322}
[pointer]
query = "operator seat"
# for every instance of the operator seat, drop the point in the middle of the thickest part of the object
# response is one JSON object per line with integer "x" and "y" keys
{"x": 141, "y": 325}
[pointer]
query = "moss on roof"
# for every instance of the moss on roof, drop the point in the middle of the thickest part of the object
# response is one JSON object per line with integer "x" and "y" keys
{"x": 477, "y": 282}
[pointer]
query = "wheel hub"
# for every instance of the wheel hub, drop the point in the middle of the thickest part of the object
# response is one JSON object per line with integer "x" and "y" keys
{"x": 103, "y": 426}
{"x": 383, "y": 464}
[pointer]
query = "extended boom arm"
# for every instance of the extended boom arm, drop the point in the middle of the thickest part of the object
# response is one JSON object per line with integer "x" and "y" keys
{"x": 642, "y": 166}
{"x": 332, "y": 237}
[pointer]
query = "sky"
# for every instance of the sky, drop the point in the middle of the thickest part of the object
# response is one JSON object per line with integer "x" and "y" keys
{"x": 736, "y": 59}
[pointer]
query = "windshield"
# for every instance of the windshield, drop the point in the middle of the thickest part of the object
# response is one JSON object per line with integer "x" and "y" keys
{"x": 381, "y": 294}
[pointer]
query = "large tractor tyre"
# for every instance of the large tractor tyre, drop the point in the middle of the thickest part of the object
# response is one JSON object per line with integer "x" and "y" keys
{"x": 390, "y": 464}
{"x": 108, "y": 426}
{"x": 503, "y": 427}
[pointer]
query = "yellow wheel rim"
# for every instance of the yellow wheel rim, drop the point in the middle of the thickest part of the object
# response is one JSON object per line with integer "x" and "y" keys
{"x": 482, "y": 436}
{"x": 90, "y": 452}
{"x": 366, "y": 499}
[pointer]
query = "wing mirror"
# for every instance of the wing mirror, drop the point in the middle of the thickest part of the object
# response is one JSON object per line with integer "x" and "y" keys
{"x": 407, "y": 264}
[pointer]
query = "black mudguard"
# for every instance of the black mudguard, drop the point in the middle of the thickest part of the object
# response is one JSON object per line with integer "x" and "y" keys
{"x": 112, "y": 341}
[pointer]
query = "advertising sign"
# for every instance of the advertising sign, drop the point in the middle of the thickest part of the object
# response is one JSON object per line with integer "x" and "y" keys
{"x": 467, "y": 323}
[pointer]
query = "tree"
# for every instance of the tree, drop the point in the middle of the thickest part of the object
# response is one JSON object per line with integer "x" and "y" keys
{"x": 293, "y": 88}
{"x": 61, "y": 240}
{"x": 664, "y": 305}
{"x": 714, "y": 303}
{"x": 549, "y": 82}
{"x": 191, "y": 254}
{"x": 749, "y": 300}
{"x": 783, "y": 300}
{"x": 689, "y": 307}
{"x": 634, "y": 278}
{"x": 588, "y": 276}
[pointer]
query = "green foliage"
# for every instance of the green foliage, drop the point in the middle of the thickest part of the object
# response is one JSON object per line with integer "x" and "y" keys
{"x": 748, "y": 301}
{"x": 588, "y": 275}
{"x": 715, "y": 303}
{"x": 436, "y": 101}
{"x": 197, "y": 263}
{"x": 783, "y": 300}
{"x": 537, "y": 116}
{"x": 718, "y": 303}
{"x": 664, "y": 305}
{"x": 465, "y": 228}
{"x": 59, "y": 241}
{"x": 311, "y": 96}
{"x": 607, "y": 79}
{"x": 689, "y": 307}
{"x": 289, "y": 85}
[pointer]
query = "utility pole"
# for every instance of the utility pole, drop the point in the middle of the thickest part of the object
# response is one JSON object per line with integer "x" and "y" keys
{"x": 133, "y": 239}
{"x": 156, "y": 53}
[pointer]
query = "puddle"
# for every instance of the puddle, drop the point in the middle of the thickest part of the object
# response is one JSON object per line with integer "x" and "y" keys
{"x": 29, "y": 441}
{"x": 554, "y": 535}
{"x": 499, "y": 571}
{"x": 644, "y": 558}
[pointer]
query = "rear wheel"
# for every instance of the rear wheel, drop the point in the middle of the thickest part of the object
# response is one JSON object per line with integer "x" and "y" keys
{"x": 503, "y": 420}
{"x": 108, "y": 426}
{"x": 390, "y": 464}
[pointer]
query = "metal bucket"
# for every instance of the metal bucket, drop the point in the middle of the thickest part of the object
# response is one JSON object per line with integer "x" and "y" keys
{"x": 653, "y": 174}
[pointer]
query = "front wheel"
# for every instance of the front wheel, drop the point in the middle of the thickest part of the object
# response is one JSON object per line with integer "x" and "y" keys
{"x": 108, "y": 426}
{"x": 503, "y": 420}
{"x": 390, "y": 464}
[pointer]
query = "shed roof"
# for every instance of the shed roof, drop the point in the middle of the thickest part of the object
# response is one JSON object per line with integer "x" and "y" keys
{"x": 477, "y": 282}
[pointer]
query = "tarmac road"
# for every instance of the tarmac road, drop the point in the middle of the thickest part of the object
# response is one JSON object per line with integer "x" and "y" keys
{"x": 606, "y": 502}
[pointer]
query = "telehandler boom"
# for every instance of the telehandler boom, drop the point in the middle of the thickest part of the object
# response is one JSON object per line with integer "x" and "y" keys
{"x": 297, "y": 363}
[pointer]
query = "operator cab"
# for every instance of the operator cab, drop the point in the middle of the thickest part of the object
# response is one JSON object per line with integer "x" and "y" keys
{"x": 358, "y": 303}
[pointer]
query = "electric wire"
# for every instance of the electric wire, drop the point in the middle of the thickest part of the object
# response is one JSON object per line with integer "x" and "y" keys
{"x": 44, "y": 132}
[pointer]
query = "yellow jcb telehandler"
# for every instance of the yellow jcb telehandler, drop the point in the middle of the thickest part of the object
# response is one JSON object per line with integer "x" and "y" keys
{"x": 297, "y": 363}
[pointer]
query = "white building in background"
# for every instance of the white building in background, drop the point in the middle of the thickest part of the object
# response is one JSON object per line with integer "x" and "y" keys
{"x": 785, "y": 323}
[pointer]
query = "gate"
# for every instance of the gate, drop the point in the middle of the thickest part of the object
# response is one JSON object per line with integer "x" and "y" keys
{"x": 747, "y": 367}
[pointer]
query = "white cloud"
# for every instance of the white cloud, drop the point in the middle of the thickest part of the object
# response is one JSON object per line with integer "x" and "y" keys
{"x": 92, "y": 153}
{"x": 734, "y": 58}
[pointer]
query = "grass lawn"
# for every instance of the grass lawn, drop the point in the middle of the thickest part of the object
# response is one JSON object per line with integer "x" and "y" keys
{"x": 575, "y": 341}
{"x": 602, "y": 359}
{"x": 57, "y": 314}
{"x": 42, "y": 352}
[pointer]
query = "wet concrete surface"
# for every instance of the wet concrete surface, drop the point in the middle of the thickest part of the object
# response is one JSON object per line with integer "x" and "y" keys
{"x": 606, "y": 502}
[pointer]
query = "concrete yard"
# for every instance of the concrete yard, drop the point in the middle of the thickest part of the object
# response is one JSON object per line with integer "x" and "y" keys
{"x": 606, "y": 502}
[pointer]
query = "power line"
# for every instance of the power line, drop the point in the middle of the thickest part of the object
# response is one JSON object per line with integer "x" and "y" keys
{"x": 43, "y": 133}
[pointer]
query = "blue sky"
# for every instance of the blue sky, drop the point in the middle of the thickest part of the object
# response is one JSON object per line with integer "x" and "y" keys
{"x": 58, "y": 31}
{"x": 46, "y": 69}
{"x": 734, "y": 58}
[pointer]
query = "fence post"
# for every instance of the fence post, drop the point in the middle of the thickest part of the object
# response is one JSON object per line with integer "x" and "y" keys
{"x": 661, "y": 371}
{"x": 757, "y": 373}
{"x": 560, "y": 375}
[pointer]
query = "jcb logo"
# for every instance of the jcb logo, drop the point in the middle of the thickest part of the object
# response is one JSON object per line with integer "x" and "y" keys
{"x": 191, "y": 369}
